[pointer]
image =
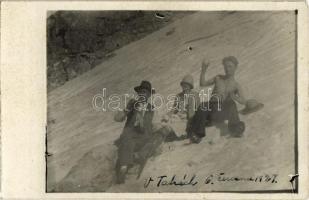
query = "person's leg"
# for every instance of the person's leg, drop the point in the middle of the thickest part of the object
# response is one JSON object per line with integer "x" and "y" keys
{"x": 140, "y": 146}
{"x": 218, "y": 114}
{"x": 125, "y": 151}
{"x": 151, "y": 144}
{"x": 222, "y": 128}
{"x": 125, "y": 157}
{"x": 196, "y": 126}
{"x": 150, "y": 147}
{"x": 231, "y": 111}
{"x": 235, "y": 126}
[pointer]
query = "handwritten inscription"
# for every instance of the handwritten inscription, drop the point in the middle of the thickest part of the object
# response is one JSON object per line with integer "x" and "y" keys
{"x": 187, "y": 180}
{"x": 164, "y": 180}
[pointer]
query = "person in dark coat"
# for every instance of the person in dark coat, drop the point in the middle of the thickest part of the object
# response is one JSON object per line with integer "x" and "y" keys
{"x": 221, "y": 106}
{"x": 137, "y": 131}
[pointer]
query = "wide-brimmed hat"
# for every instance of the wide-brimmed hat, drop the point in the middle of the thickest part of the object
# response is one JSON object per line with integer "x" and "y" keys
{"x": 252, "y": 105}
{"x": 188, "y": 79}
{"x": 144, "y": 85}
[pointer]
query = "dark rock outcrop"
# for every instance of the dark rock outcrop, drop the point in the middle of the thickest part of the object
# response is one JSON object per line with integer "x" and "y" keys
{"x": 79, "y": 40}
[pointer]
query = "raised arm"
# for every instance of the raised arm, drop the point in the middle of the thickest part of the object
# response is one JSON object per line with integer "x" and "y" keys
{"x": 203, "y": 81}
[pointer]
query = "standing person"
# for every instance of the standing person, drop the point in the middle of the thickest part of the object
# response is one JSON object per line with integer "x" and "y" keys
{"x": 221, "y": 105}
{"x": 137, "y": 130}
{"x": 181, "y": 115}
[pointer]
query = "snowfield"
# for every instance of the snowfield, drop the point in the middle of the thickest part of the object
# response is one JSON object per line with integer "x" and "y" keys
{"x": 80, "y": 139}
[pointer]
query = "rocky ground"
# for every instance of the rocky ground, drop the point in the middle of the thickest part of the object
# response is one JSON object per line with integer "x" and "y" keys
{"x": 79, "y": 41}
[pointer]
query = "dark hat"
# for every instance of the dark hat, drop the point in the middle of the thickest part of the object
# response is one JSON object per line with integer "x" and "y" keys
{"x": 144, "y": 85}
{"x": 237, "y": 129}
{"x": 252, "y": 105}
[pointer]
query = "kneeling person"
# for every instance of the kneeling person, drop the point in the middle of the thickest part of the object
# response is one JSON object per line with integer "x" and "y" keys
{"x": 221, "y": 105}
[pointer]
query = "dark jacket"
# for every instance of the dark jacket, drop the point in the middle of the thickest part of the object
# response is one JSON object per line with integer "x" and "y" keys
{"x": 131, "y": 117}
{"x": 193, "y": 102}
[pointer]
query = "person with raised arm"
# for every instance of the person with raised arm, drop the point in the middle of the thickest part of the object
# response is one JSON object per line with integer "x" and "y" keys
{"x": 221, "y": 105}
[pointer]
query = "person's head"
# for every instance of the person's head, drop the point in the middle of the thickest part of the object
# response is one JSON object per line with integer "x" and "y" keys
{"x": 230, "y": 65}
{"x": 144, "y": 90}
{"x": 187, "y": 83}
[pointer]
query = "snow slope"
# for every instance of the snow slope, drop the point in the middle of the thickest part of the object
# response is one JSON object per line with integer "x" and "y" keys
{"x": 80, "y": 139}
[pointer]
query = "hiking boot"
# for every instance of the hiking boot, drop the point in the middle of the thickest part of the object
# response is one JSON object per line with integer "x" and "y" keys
{"x": 237, "y": 129}
{"x": 121, "y": 176}
{"x": 182, "y": 137}
{"x": 238, "y": 135}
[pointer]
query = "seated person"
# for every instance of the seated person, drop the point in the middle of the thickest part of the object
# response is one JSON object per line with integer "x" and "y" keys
{"x": 180, "y": 116}
{"x": 137, "y": 130}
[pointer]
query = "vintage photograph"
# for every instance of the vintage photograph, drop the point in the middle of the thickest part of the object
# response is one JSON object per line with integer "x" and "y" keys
{"x": 148, "y": 101}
